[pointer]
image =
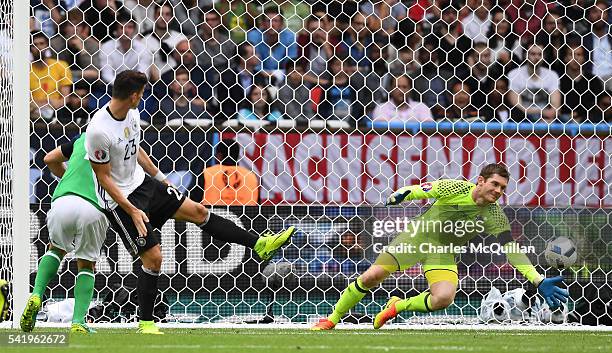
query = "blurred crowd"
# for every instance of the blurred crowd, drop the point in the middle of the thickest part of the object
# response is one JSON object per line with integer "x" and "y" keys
{"x": 372, "y": 60}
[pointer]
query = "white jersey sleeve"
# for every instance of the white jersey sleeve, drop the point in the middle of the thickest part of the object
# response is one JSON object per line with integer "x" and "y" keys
{"x": 98, "y": 145}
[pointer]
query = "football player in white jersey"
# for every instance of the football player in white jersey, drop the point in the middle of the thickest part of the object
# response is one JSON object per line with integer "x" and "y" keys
{"x": 139, "y": 199}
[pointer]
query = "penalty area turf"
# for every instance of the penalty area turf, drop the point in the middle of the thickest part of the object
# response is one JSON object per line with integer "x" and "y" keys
{"x": 343, "y": 341}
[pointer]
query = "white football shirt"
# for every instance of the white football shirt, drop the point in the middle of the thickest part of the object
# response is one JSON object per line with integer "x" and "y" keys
{"x": 109, "y": 140}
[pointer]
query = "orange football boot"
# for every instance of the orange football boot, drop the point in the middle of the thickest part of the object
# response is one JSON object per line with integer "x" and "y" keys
{"x": 388, "y": 313}
{"x": 323, "y": 325}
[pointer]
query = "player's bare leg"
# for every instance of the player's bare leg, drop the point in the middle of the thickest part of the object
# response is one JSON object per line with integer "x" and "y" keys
{"x": 147, "y": 289}
{"x": 374, "y": 276}
{"x": 225, "y": 230}
{"x": 152, "y": 258}
{"x": 439, "y": 296}
{"x": 355, "y": 291}
{"x": 442, "y": 295}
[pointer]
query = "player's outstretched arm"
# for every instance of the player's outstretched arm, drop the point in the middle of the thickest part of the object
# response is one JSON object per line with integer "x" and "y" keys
{"x": 149, "y": 167}
{"x": 55, "y": 161}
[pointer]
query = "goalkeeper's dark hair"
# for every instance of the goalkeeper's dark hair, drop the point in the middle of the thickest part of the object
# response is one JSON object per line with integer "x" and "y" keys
{"x": 127, "y": 83}
{"x": 495, "y": 168}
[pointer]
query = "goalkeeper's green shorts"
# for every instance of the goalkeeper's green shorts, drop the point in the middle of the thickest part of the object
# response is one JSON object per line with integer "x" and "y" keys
{"x": 406, "y": 251}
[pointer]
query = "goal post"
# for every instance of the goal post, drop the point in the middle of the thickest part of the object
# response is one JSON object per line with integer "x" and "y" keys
{"x": 14, "y": 161}
{"x": 21, "y": 159}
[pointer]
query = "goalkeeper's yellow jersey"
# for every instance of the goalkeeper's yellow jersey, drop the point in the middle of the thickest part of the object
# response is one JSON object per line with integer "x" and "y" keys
{"x": 450, "y": 218}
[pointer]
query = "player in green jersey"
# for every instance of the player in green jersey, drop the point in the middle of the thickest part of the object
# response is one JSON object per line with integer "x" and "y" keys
{"x": 76, "y": 223}
{"x": 461, "y": 211}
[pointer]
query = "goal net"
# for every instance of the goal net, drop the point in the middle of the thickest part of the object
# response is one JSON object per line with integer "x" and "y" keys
{"x": 330, "y": 106}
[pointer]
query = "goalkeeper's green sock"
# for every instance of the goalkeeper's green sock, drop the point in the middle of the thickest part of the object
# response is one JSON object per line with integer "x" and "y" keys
{"x": 83, "y": 291}
{"x": 348, "y": 299}
{"x": 420, "y": 303}
{"x": 47, "y": 269}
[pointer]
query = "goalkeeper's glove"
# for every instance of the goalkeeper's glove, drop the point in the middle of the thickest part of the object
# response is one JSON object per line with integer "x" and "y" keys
{"x": 551, "y": 293}
{"x": 397, "y": 197}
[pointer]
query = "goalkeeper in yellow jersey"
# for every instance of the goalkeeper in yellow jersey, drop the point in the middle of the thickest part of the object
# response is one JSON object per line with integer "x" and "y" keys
{"x": 462, "y": 210}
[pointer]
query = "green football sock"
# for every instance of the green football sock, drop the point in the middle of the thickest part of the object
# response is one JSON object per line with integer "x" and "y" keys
{"x": 83, "y": 291}
{"x": 420, "y": 303}
{"x": 47, "y": 269}
{"x": 348, "y": 299}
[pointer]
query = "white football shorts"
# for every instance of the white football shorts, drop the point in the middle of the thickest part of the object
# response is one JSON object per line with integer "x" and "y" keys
{"x": 76, "y": 225}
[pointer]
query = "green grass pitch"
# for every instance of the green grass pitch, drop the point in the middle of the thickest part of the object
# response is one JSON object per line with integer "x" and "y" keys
{"x": 339, "y": 341}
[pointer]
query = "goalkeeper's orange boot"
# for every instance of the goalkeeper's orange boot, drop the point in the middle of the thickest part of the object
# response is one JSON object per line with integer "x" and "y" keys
{"x": 388, "y": 313}
{"x": 323, "y": 325}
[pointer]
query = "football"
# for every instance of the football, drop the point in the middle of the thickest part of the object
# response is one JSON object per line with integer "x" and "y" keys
{"x": 561, "y": 253}
{"x": 278, "y": 274}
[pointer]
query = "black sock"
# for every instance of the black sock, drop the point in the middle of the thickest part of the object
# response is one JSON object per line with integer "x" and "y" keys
{"x": 147, "y": 292}
{"x": 227, "y": 231}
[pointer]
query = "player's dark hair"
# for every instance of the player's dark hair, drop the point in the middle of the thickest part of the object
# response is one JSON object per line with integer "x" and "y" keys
{"x": 127, "y": 83}
{"x": 495, "y": 168}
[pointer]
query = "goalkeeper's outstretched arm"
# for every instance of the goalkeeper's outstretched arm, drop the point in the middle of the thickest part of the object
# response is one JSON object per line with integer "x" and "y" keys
{"x": 547, "y": 287}
{"x": 430, "y": 190}
{"x": 519, "y": 260}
